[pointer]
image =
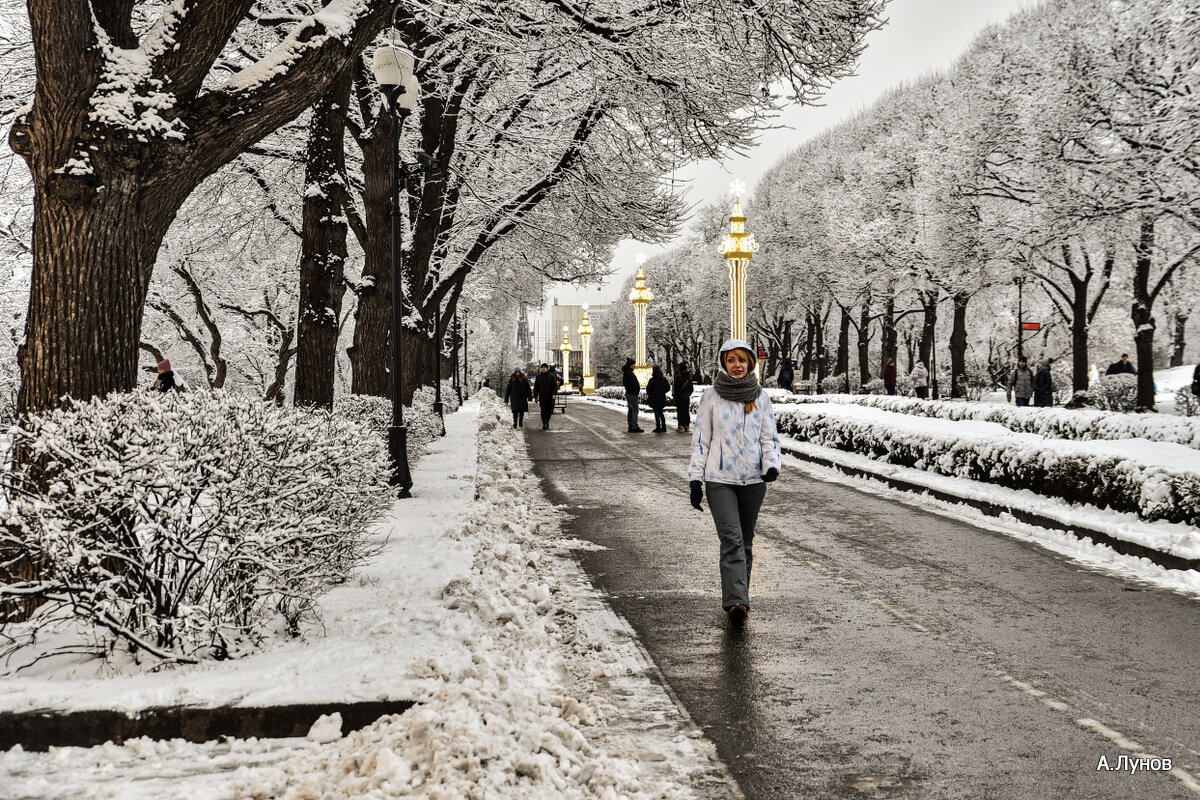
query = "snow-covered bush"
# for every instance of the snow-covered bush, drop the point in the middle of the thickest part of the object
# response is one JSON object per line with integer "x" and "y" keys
{"x": 186, "y": 525}
{"x": 1114, "y": 392}
{"x": 1186, "y": 403}
{"x": 611, "y": 392}
{"x": 423, "y": 425}
{"x": 835, "y": 384}
{"x": 1054, "y": 468}
{"x": 874, "y": 386}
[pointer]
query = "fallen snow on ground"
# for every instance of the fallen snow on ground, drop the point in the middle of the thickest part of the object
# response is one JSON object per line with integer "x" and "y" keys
{"x": 530, "y": 687}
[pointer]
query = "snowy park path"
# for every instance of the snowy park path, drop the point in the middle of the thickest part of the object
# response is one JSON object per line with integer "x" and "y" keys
{"x": 890, "y": 649}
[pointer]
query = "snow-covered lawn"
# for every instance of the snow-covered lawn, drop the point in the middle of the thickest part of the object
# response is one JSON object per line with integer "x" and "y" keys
{"x": 530, "y": 687}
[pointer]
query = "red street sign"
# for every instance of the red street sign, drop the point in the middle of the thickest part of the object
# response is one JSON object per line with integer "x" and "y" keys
{"x": 1031, "y": 326}
{"x": 762, "y": 353}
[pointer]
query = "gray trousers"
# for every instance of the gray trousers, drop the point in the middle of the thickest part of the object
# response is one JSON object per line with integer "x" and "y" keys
{"x": 631, "y": 410}
{"x": 735, "y": 511}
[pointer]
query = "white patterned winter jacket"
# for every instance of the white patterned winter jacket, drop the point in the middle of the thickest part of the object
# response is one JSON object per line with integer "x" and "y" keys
{"x": 731, "y": 445}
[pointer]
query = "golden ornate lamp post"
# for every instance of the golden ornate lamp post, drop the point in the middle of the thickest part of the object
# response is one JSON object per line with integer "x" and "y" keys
{"x": 738, "y": 247}
{"x": 565, "y": 349}
{"x": 640, "y": 295}
{"x": 588, "y": 384}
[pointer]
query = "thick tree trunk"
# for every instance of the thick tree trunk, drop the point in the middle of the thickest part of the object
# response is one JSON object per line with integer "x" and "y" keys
{"x": 1178, "y": 336}
{"x": 929, "y": 300}
{"x": 864, "y": 344}
{"x": 842, "y": 365}
{"x": 371, "y": 353}
{"x": 810, "y": 338}
{"x": 1142, "y": 313}
{"x": 889, "y": 345}
{"x": 819, "y": 348}
{"x": 1079, "y": 332}
{"x": 958, "y": 347}
{"x": 323, "y": 250}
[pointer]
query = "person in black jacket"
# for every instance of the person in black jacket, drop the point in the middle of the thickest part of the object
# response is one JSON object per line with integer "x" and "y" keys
{"x": 1122, "y": 367}
{"x": 681, "y": 393}
{"x": 632, "y": 389}
{"x": 165, "y": 381}
{"x": 545, "y": 387}
{"x": 1043, "y": 385}
{"x": 1196, "y": 381}
{"x": 656, "y": 397}
{"x": 787, "y": 375}
{"x": 518, "y": 394}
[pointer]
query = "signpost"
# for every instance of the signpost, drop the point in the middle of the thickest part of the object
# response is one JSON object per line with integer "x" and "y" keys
{"x": 1031, "y": 326}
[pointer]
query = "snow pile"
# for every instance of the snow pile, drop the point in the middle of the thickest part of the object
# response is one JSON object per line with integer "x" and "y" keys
{"x": 1153, "y": 480}
{"x": 531, "y": 713}
{"x": 1056, "y": 423}
{"x": 184, "y": 525}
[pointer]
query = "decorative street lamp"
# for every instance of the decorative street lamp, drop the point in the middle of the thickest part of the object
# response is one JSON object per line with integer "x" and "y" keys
{"x": 454, "y": 334}
{"x": 393, "y": 67}
{"x": 565, "y": 349}
{"x": 466, "y": 378}
{"x": 640, "y": 295}
{"x": 588, "y": 384}
{"x": 738, "y": 247}
{"x": 439, "y": 337}
{"x": 1020, "y": 282}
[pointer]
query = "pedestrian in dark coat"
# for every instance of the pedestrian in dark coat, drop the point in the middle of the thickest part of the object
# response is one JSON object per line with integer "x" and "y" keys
{"x": 1196, "y": 381}
{"x": 786, "y": 375}
{"x": 518, "y": 394}
{"x": 681, "y": 392}
{"x": 1043, "y": 385}
{"x": 656, "y": 397}
{"x": 889, "y": 376}
{"x": 1121, "y": 367}
{"x": 545, "y": 387}
{"x": 165, "y": 381}
{"x": 632, "y": 389}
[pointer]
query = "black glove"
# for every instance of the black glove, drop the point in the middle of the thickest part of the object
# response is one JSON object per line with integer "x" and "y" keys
{"x": 771, "y": 475}
{"x": 697, "y": 493}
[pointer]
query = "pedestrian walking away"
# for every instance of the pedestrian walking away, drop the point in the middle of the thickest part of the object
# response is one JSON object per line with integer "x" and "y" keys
{"x": 656, "y": 397}
{"x": 1121, "y": 366}
{"x": 787, "y": 375}
{"x": 735, "y": 454}
{"x": 545, "y": 387}
{"x": 632, "y": 388}
{"x": 920, "y": 379}
{"x": 1196, "y": 381}
{"x": 889, "y": 376}
{"x": 517, "y": 394}
{"x": 165, "y": 381}
{"x": 681, "y": 393}
{"x": 1043, "y": 385}
{"x": 1020, "y": 384}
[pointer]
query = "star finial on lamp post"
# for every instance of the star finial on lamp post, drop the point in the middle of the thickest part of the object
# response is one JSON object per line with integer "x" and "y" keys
{"x": 737, "y": 188}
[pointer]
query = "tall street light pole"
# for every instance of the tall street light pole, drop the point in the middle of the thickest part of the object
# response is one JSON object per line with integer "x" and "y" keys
{"x": 393, "y": 67}
{"x": 565, "y": 349}
{"x": 738, "y": 247}
{"x": 466, "y": 378}
{"x": 640, "y": 295}
{"x": 437, "y": 368}
{"x": 587, "y": 384}
{"x": 454, "y": 337}
{"x": 1020, "y": 281}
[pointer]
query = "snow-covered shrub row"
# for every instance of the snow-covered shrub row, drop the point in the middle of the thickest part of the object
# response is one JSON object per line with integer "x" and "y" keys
{"x": 1114, "y": 392}
{"x": 611, "y": 392}
{"x": 1186, "y": 403}
{"x": 1054, "y": 423}
{"x": 375, "y": 413}
{"x": 837, "y": 383}
{"x": 1051, "y": 469}
{"x": 186, "y": 525}
{"x": 532, "y": 713}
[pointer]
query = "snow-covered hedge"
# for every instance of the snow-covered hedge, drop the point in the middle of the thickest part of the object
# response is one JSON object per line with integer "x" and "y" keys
{"x": 837, "y": 383}
{"x": 1114, "y": 392}
{"x": 375, "y": 413}
{"x": 1051, "y": 468}
{"x": 1056, "y": 423}
{"x": 611, "y": 392}
{"x": 1186, "y": 403}
{"x": 186, "y": 525}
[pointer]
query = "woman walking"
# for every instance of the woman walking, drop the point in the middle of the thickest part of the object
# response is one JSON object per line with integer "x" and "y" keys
{"x": 656, "y": 397}
{"x": 681, "y": 393}
{"x": 735, "y": 452}
{"x": 518, "y": 394}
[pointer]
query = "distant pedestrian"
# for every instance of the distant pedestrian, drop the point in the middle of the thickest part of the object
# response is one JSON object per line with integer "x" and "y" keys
{"x": 1020, "y": 384}
{"x": 681, "y": 392}
{"x": 165, "y": 381}
{"x": 1043, "y": 385}
{"x": 735, "y": 452}
{"x": 787, "y": 375}
{"x": 920, "y": 379}
{"x": 545, "y": 387}
{"x": 889, "y": 376}
{"x": 1121, "y": 366}
{"x": 1196, "y": 381}
{"x": 656, "y": 397}
{"x": 517, "y": 394}
{"x": 633, "y": 387}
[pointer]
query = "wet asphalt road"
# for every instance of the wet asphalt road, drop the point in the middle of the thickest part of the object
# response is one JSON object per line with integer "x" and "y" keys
{"x": 890, "y": 652}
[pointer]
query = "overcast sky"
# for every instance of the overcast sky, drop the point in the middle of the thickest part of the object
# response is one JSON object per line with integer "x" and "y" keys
{"x": 920, "y": 37}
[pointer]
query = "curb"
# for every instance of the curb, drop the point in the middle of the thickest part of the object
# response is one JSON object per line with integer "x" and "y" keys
{"x": 41, "y": 730}
{"x": 1165, "y": 560}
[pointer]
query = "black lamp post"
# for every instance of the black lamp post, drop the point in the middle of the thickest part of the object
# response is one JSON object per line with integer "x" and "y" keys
{"x": 454, "y": 339}
{"x": 393, "y": 67}
{"x": 466, "y": 372}
{"x": 437, "y": 368}
{"x": 1020, "y": 281}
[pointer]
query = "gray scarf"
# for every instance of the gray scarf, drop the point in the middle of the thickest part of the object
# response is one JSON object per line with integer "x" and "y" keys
{"x": 737, "y": 390}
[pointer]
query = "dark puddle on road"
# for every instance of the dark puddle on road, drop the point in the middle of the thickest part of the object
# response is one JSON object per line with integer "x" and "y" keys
{"x": 39, "y": 731}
